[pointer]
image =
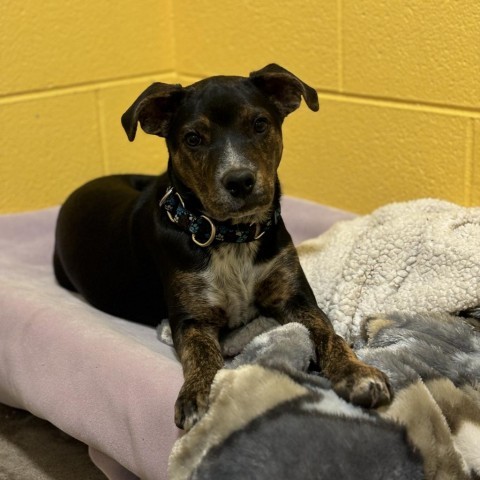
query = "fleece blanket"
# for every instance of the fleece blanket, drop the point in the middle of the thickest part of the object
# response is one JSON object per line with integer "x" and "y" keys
{"x": 104, "y": 381}
{"x": 417, "y": 256}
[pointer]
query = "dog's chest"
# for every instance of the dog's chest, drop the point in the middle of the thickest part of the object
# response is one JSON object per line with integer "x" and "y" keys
{"x": 232, "y": 278}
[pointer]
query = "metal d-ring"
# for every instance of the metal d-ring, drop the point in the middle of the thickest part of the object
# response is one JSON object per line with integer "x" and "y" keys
{"x": 258, "y": 235}
{"x": 212, "y": 234}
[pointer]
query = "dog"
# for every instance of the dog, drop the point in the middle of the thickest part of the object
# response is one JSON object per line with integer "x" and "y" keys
{"x": 204, "y": 244}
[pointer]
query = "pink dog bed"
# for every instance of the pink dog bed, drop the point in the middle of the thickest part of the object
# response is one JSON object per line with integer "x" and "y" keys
{"x": 105, "y": 381}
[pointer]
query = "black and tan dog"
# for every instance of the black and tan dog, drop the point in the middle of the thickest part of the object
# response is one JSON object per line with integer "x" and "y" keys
{"x": 204, "y": 243}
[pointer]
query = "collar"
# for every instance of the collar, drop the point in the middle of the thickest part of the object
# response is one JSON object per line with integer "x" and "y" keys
{"x": 204, "y": 231}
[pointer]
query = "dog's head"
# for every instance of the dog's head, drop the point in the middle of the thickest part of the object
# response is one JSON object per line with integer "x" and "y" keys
{"x": 224, "y": 135}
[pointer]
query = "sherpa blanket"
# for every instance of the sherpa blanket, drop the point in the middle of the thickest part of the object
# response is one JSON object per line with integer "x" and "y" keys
{"x": 417, "y": 256}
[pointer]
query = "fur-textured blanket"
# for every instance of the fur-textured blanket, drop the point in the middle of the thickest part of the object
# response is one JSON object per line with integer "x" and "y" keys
{"x": 433, "y": 362}
{"x": 269, "y": 419}
{"x": 418, "y": 256}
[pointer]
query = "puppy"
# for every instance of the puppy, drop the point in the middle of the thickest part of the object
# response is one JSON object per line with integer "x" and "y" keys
{"x": 204, "y": 243}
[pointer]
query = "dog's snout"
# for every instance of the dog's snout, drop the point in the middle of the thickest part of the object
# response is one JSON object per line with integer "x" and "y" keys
{"x": 239, "y": 183}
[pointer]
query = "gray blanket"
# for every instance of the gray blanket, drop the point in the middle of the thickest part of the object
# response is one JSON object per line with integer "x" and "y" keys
{"x": 269, "y": 419}
{"x": 433, "y": 362}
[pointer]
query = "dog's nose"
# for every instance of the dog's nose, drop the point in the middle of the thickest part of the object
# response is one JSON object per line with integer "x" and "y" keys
{"x": 239, "y": 183}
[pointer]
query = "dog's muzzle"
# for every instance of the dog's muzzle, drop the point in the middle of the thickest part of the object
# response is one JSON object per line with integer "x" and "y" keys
{"x": 239, "y": 183}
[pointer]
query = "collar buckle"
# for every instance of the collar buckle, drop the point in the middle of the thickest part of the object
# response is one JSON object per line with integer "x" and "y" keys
{"x": 165, "y": 198}
{"x": 213, "y": 230}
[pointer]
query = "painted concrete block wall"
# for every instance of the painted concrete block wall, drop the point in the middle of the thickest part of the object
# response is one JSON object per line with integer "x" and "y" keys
{"x": 68, "y": 70}
{"x": 399, "y": 85}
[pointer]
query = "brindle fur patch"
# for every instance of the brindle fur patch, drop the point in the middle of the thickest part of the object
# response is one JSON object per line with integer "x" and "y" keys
{"x": 199, "y": 351}
{"x": 276, "y": 289}
{"x": 190, "y": 294}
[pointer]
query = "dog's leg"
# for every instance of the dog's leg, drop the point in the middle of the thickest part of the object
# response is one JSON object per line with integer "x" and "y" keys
{"x": 286, "y": 296}
{"x": 199, "y": 351}
{"x": 353, "y": 380}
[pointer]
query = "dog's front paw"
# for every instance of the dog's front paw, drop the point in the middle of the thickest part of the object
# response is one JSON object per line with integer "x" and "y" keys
{"x": 191, "y": 405}
{"x": 365, "y": 386}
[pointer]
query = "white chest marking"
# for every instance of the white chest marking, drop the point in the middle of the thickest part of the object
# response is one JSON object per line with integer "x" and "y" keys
{"x": 232, "y": 279}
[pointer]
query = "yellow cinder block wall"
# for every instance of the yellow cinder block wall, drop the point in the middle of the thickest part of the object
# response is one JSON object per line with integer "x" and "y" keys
{"x": 68, "y": 70}
{"x": 398, "y": 80}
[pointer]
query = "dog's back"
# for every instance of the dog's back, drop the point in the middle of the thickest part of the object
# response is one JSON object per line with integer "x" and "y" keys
{"x": 96, "y": 253}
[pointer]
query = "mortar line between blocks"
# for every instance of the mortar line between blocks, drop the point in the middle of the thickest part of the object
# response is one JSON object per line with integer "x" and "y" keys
{"x": 80, "y": 88}
{"x": 470, "y": 112}
{"x": 340, "y": 44}
{"x": 174, "y": 39}
{"x": 103, "y": 133}
{"x": 470, "y": 199}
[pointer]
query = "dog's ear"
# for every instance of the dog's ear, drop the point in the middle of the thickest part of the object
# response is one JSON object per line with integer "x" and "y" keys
{"x": 153, "y": 109}
{"x": 284, "y": 89}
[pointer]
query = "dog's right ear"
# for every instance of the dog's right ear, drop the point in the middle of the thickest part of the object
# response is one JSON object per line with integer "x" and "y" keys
{"x": 153, "y": 109}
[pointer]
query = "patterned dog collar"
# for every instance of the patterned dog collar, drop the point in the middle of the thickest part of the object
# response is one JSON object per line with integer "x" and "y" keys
{"x": 204, "y": 231}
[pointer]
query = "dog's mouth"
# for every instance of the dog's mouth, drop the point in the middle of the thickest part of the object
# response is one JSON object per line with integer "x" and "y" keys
{"x": 253, "y": 209}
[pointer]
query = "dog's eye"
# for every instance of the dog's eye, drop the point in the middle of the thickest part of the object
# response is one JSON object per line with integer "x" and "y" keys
{"x": 260, "y": 125}
{"x": 193, "y": 139}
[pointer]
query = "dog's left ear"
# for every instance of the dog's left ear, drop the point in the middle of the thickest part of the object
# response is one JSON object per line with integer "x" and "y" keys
{"x": 153, "y": 109}
{"x": 284, "y": 89}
